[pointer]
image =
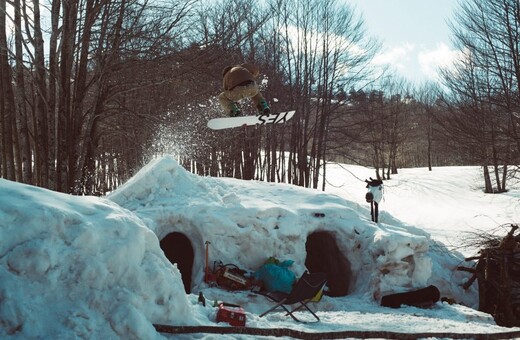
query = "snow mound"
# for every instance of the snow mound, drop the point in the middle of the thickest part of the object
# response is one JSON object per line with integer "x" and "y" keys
{"x": 81, "y": 266}
{"x": 246, "y": 222}
{"x": 93, "y": 267}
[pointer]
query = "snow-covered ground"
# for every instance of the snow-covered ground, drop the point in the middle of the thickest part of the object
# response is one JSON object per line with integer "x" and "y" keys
{"x": 91, "y": 267}
{"x": 448, "y": 202}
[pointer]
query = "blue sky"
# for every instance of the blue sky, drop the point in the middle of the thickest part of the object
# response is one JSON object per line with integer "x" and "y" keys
{"x": 415, "y": 34}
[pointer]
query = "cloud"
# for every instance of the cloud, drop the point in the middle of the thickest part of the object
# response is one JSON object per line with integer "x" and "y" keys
{"x": 431, "y": 60}
{"x": 417, "y": 63}
{"x": 397, "y": 56}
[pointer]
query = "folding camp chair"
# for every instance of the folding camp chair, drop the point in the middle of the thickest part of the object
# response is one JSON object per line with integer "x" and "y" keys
{"x": 308, "y": 288}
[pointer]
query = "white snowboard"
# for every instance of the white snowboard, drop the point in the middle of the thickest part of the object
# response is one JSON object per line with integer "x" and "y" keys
{"x": 231, "y": 122}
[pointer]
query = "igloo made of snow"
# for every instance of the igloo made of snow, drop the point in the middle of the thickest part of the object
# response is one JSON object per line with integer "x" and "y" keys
{"x": 246, "y": 222}
{"x": 111, "y": 267}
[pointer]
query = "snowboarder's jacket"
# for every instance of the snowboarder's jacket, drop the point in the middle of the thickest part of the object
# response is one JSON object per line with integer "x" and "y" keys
{"x": 239, "y": 75}
{"x": 375, "y": 190}
{"x": 239, "y": 83}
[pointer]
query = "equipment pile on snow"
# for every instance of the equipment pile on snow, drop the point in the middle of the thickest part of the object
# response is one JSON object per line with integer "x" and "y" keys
{"x": 498, "y": 275}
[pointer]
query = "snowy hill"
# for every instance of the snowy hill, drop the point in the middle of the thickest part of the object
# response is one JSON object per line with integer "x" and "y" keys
{"x": 80, "y": 267}
{"x": 94, "y": 267}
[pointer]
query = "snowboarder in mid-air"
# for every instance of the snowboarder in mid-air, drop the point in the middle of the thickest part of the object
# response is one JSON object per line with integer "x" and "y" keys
{"x": 239, "y": 82}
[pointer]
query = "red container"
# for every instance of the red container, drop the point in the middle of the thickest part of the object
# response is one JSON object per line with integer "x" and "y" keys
{"x": 232, "y": 314}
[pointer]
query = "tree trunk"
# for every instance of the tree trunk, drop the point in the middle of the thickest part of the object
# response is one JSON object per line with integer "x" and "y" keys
{"x": 40, "y": 97}
{"x": 7, "y": 104}
{"x": 504, "y": 178}
{"x": 68, "y": 123}
{"x": 22, "y": 116}
{"x": 487, "y": 181}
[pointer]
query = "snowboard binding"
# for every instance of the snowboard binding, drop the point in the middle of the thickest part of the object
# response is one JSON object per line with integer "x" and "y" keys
{"x": 235, "y": 111}
{"x": 263, "y": 108}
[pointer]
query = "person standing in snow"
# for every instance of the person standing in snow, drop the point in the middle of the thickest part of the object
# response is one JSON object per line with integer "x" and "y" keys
{"x": 374, "y": 196}
{"x": 238, "y": 83}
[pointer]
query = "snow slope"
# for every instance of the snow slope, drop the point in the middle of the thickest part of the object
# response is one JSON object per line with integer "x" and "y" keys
{"x": 92, "y": 267}
{"x": 448, "y": 202}
{"x": 80, "y": 267}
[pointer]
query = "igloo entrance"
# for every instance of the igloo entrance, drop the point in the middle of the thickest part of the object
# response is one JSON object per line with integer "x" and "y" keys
{"x": 178, "y": 249}
{"x": 323, "y": 255}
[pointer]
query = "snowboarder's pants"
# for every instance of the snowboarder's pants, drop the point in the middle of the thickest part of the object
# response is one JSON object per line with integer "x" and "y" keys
{"x": 228, "y": 97}
{"x": 374, "y": 210}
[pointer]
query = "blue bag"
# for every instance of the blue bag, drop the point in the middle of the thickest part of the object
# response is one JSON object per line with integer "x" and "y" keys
{"x": 276, "y": 276}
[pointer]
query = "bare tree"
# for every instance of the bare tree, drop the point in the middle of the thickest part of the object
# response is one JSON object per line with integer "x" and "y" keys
{"x": 63, "y": 105}
{"x": 484, "y": 87}
{"x": 91, "y": 111}
{"x": 428, "y": 96}
{"x": 320, "y": 59}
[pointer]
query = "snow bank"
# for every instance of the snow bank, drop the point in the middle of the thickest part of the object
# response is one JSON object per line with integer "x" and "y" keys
{"x": 247, "y": 221}
{"x": 93, "y": 267}
{"x": 81, "y": 266}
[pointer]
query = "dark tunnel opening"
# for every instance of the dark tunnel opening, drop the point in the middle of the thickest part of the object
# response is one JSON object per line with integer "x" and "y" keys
{"x": 178, "y": 249}
{"x": 323, "y": 255}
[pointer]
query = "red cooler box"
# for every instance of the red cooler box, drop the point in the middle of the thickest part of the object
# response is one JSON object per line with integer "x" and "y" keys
{"x": 232, "y": 314}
